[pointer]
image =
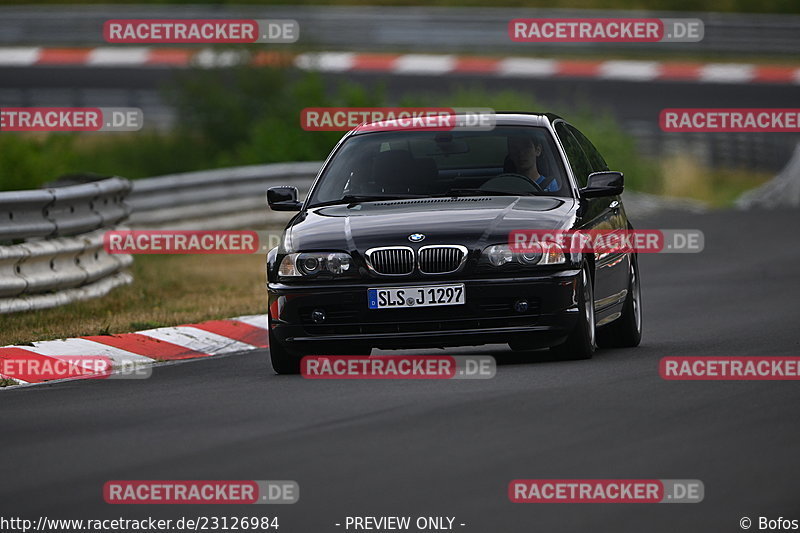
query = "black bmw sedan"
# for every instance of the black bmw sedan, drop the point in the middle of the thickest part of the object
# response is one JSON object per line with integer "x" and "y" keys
{"x": 403, "y": 242}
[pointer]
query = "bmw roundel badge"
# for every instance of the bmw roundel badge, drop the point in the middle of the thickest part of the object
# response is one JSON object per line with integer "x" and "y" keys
{"x": 416, "y": 237}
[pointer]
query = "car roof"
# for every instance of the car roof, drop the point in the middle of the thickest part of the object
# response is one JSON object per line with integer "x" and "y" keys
{"x": 502, "y": 118}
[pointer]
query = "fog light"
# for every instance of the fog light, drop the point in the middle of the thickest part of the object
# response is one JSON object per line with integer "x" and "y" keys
{"x": 318, "y": 316}
{"x": 521, "y": 306}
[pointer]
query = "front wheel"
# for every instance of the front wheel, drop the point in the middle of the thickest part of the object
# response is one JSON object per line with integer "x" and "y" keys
{"x": 283, "y": 361}
{"x": 626, "y": 331}
{"x": 580, "y": 343}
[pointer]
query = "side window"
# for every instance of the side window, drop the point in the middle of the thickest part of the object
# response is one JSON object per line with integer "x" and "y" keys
{"x": 577, "y": 159}
{"x": 595, "y": 159}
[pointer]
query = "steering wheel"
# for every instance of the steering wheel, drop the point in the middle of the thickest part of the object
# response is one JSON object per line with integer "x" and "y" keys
{"x": 514, "y": 175}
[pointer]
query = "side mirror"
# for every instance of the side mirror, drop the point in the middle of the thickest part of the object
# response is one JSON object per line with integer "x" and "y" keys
{"x": 608, "y": 183}
{"x": 283, "y": 199}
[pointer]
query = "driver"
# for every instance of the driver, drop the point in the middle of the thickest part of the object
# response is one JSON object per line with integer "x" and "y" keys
{"x": 523, "y": 151}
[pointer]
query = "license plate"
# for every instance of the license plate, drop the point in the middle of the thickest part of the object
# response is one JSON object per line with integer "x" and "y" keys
{"x": 406, "y": 297}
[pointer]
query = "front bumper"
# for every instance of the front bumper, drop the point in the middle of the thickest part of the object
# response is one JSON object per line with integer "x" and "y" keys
{"x": 487, "y": 317}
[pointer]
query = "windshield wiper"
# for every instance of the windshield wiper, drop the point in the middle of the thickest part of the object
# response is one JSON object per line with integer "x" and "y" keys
{"x": 352, "y": 199}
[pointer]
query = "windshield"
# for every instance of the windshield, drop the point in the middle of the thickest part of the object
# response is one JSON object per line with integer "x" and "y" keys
{"x": 509, "y": 160}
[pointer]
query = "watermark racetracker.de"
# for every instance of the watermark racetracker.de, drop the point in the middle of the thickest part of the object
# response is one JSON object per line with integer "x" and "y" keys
{"x": 606, "y": 30}
{"x": 539, "y": 242}
{"x": 189, "y": 241}
{"x": 737, "y": 368}
{"x": 228, "y": 31}
{"x": 398, "y": 367}
{"x": 397, "y": 118}
{"x": 730, "y": 120}
{"x": 75, "y": 119}
{"x": 201, "y": 492}
{"x": 606, "y": 491}
{"x": 35, "y": 368}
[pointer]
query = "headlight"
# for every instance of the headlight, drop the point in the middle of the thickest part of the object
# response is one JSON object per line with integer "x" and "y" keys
{"x": 538, "y": 253}
{"x": 552, "y": 254}
{"x": 499, "y": 254}
{"x": 314, "y": 263}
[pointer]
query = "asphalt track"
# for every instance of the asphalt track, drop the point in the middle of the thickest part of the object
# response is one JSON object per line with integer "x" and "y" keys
{"x": 450, "y": 448}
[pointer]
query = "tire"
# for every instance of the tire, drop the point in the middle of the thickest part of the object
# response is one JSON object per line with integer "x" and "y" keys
{"x": 580, "y": 343}
{"x": 626, "y": 331}
{"x": 283, "y": 360}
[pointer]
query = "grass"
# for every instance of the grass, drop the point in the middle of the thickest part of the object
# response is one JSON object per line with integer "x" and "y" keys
{"x": 684, "y": 176}
{"x": 224, "y": 120}
{"x": 168, "y": 290}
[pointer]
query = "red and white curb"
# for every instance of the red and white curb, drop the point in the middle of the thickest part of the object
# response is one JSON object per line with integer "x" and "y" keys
{"x": 522, "y": 67}
{"x": 404, "y": 64}
{"x": 189, "y": 341}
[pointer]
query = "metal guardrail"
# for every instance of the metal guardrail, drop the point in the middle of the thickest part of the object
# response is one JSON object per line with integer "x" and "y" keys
{"x": 62, "y": 211}
{"x": 420, "y": 28}
{"x": 23, "y": 215}
{"x": 45, "y": 273}
{"x": 51, "y": 240}
{"x": 51, "y": 248}
{"x": 220, "y": 199}
{"x": 761, "y": 152}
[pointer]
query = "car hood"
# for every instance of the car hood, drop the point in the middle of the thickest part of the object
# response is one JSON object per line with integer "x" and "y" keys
{"x": 474, "y": 222}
